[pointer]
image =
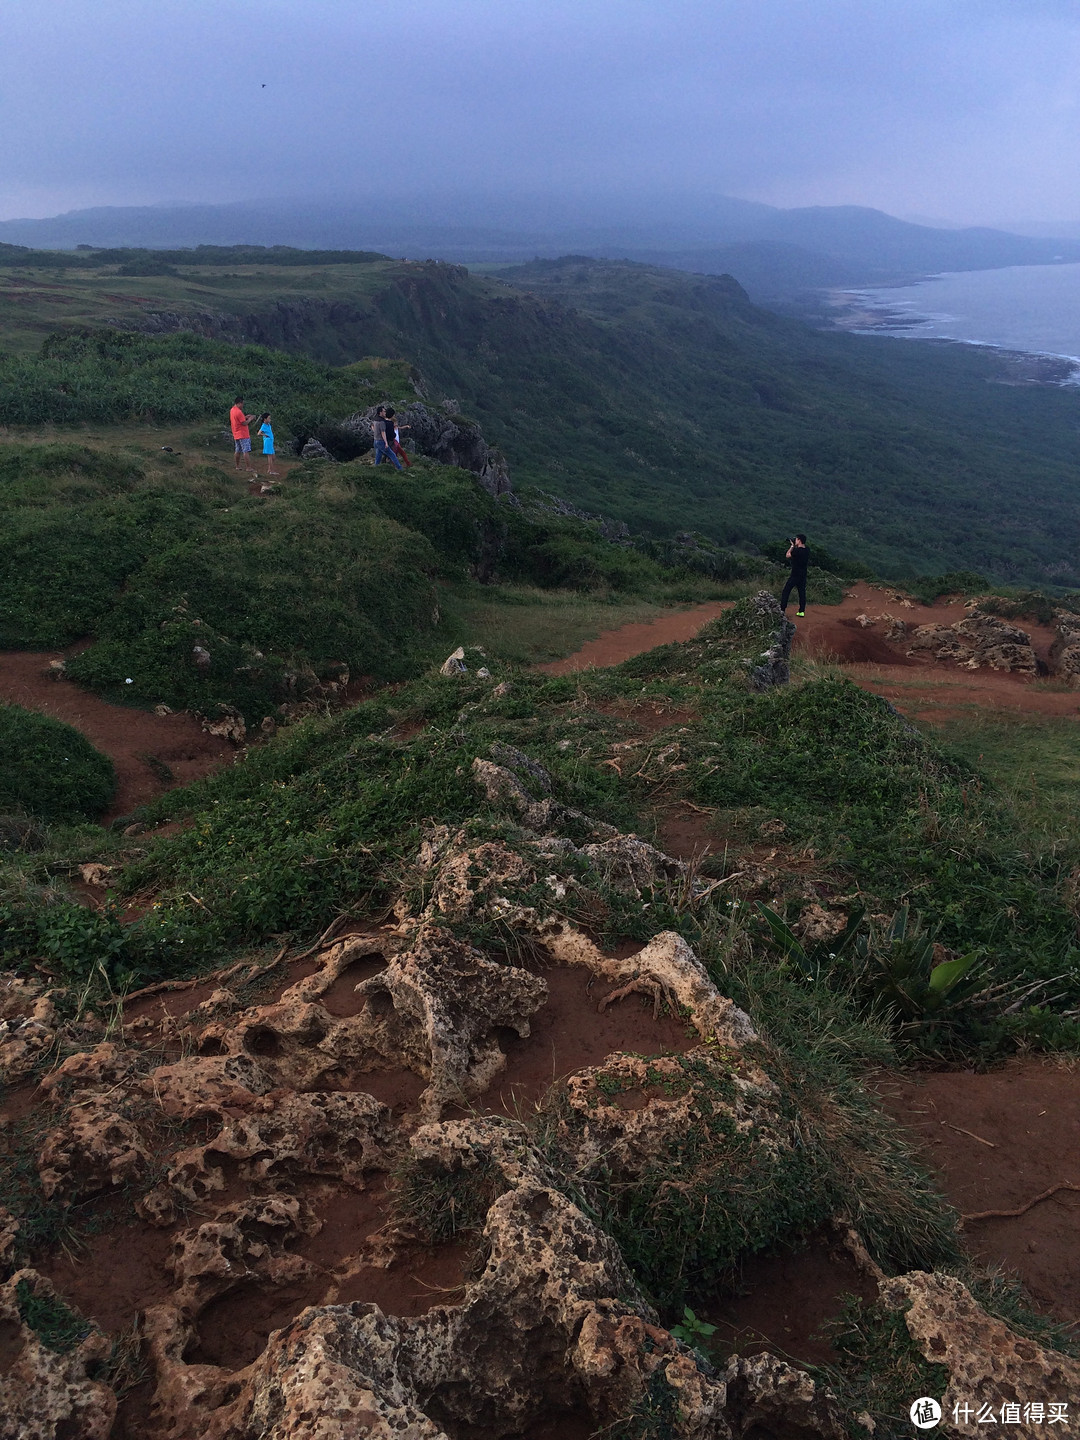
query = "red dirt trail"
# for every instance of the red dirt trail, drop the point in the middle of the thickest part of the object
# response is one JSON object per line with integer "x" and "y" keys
{"x": 615, "y": 646}
{"x": 129, "y": 737}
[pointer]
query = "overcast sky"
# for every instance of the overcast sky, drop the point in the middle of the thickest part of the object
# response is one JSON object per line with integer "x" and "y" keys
{"x": 961, "y": 110}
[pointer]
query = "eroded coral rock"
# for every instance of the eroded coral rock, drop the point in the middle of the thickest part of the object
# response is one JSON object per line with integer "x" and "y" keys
{"x": 1065, "y": 651}
{"x": 437, "y": 1007}
{"x": 977, "y": 640}
{"x": 246, "y": 1241}
{"x": 205, "y": 1084}
{"x": 28, "y": 1025}
{"x": 45, "y": 1395}
{"x": 986, "y": 1361}
{"x": 333, "y": 1134}
{"x": 97, "y": 1146}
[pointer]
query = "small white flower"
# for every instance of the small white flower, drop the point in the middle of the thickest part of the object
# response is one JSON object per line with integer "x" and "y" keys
{"x": 128, "y": 680}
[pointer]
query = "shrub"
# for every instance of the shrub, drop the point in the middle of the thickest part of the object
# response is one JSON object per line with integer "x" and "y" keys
{"x": 48, "y": 769}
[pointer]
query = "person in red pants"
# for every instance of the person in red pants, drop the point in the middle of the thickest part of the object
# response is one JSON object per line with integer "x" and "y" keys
{"x": 393, "y": 435}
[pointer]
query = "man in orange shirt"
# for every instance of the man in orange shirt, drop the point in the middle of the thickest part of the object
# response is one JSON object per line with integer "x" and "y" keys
{"x": 241, "y": 435}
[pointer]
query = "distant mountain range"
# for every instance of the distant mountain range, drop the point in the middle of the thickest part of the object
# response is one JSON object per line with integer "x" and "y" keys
{"x": 775, "y": 254}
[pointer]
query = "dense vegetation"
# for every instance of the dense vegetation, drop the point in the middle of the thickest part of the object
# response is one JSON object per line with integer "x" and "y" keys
{"x": 198, "y": 594}
{"x": 49, "y": 770}
{"x": 653, "y": 396}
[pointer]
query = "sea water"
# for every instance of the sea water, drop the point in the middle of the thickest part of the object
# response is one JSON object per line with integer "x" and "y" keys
{"x": 1033, "y": 308}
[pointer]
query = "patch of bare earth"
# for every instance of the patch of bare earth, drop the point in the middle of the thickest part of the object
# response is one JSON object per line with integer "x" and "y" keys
{"x": 145, "y": 748}
{"x": 997, "y": 1141}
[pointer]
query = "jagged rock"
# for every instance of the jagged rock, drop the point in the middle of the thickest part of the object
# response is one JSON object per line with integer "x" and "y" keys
{"x": 583, "y": 1339}
{"x": 454, "y": 664}
{"x": 502, "y": 787}
{"x": 446, "y": 437}
{"x": 95, "y": 1147}
{"x": 95, "y": 874}
{"x": 9, "y": 1228}
{"x": 766, "y": 1396}
{"x": 670, "y": 1102}
{"x": 229, "y": 724}
{"x": 517, "y": 760}
{"x": 816, "y": 924}
{"x": 205, "y": 1084}
{"x": 986, "y": 1361}
{"x": 45, "y": 1396}
{"x": 335, "y": 1134}
{"x": 775, "y": 668}
{"x": 975, "y": 641}
{"x": 28, "y": 1026}
{"x": 315, "y": 450}
{"x": 502, "y": 690}
{"x": 1065, "y": 651}
{"x": 436, "y": 1009}
{"x": 244, "y": 1241}
{"x": 334, "y": 1372}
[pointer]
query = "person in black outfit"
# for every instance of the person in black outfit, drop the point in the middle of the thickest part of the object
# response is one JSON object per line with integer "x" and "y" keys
{"x": 799, "y": 557}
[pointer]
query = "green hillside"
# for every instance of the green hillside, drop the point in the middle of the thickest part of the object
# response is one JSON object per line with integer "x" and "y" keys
{"x": 656, "y": 397}
{"x": 198, "y": 594}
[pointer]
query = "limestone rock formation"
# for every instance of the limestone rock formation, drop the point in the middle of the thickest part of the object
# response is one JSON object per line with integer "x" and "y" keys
{"x": 988, "y": 1364}
{"x": 1065, "y": 651}
{"x": 775, "y": 666}
{"x": 443, "y": 435}
{"x": 46, "y": 1395}
{"x": 979, "y": 639}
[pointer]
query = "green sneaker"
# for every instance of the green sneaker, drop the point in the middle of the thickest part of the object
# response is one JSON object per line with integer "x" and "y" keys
{"x": 800, "y": 613}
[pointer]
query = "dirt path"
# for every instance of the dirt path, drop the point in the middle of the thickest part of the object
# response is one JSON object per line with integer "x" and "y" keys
{"x": 145, "y": 748}
{"x": 615, "y": 646}
{"x": 995, "y": 1141}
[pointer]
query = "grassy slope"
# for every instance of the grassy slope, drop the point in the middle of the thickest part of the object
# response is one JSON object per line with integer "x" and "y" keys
{"x": 154, "y": 552}
{"x": 665, "y": 399}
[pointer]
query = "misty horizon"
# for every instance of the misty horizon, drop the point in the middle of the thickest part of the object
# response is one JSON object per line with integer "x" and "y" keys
{"x": 962, "y": 109}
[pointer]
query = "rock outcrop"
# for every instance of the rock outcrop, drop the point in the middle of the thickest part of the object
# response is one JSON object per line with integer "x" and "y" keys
{"x": 989, "y": 1366}
{"x": 444, "y": 435}
{"x": 1065, "y": 651}
{"x": 976, "y": 641}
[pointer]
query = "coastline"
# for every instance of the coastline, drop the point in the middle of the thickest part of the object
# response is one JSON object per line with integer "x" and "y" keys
{"x": 856, "y": 312}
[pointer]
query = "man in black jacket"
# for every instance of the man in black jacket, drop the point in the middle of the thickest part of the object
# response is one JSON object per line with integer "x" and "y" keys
{"x": 799, "y": 557}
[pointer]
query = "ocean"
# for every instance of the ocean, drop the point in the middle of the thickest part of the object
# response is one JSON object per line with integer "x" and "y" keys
{"x": 1034, "y": 308}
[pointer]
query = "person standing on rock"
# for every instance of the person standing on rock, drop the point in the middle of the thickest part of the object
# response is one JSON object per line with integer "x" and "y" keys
{"x": 384, "y": 431}
{"x": 265, "y": 429}
{"x": 241, "y": 435}
{"x": 393, "y": 436}
{"x": 799, "y": 556}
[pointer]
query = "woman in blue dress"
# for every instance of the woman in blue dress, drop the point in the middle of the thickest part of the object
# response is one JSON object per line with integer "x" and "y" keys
{"x": 268, "y": 441}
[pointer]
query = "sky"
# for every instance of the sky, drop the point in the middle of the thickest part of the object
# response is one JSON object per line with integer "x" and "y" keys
{"x": 961, "y": 111}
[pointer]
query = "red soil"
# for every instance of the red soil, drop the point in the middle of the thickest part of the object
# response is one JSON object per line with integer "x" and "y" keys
{"x": 1027, "y": 1120}
{"x": 615, "y": 646}
{"x": 785, "y": 1303}
{"x": 924, "y": 689}
{"x": 568, "y": 1034}
{"x": 137, "y": 741}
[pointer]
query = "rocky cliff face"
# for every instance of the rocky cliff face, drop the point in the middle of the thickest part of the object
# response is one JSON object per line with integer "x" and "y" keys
{"x": 441, "y": 434}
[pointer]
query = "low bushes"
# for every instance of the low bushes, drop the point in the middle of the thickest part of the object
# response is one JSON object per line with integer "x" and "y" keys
{"x": 50, "y": 770}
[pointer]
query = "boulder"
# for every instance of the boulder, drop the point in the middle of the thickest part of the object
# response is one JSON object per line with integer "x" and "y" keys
{"x": 988, "y": 1363}
{"x": 976, "y": 641}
